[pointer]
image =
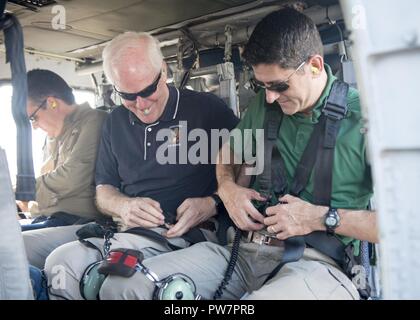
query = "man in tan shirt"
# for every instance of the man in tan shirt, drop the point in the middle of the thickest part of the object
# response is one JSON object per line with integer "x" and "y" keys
{"x": 65, "y": 190}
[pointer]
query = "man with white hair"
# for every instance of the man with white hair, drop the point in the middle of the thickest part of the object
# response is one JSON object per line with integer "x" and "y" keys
{"x": 134, "y": 185}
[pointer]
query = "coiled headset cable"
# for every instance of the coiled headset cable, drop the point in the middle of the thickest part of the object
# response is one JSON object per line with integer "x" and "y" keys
{"x": 231, "y": 265}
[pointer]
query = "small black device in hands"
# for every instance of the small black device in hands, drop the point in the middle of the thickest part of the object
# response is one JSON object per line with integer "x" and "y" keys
{"x": 262, "y": 206}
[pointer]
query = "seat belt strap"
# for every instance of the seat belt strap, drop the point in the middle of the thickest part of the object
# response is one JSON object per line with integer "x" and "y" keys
{"x": 307, "y": 161}
{"x": 331, "y": 246}
{"x": 293, "y": 251}
{"x": 150, "y": 234}
{"x": 333, "y": 112}
{"x": 272, "y": 177}
{"x": 194, "y": 235}
{"x": 319, "y": 153}
{"x": 295, "y": 246}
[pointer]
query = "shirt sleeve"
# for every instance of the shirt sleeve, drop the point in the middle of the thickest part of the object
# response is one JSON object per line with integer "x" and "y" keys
{"x": 245, "y": 133}
{"x": 222, "y": 116}
{"x": 106, "y": 163}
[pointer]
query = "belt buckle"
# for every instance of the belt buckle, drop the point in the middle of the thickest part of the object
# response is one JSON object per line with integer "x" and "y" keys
{"x": 259, "y": 238}
{"x": 265, "y": 239}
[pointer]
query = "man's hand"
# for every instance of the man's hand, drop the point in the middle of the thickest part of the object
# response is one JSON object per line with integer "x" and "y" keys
{"x": 295, "y": 218}
{"x": 237, "y": 201}
{"x": 190, "y": 213}
{"x": 142, "y": 212}
{"x": 23, "y": 205}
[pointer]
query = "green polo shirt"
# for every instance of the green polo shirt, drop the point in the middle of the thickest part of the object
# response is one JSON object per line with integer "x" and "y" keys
{"x": 351, "y": 182}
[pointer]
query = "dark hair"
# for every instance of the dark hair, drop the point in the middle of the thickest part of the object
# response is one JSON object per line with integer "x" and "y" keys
{"x": 44, "y": 83}
{"x": 285, "y": 37}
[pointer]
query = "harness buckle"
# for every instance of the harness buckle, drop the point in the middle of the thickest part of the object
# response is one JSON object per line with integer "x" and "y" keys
{"x": 260, "y": 238}
{"x": 334, "y": 111}
{"x": 265, "y": 239}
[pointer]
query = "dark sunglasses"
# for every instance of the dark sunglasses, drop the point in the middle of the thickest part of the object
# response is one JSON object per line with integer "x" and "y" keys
{"x": 278, "y": 87}
{"x": 146, "y": 92}
{"x": 32, "y": 117}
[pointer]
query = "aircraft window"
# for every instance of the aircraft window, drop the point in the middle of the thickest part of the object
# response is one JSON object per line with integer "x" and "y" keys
{"x": 82, "y": 96}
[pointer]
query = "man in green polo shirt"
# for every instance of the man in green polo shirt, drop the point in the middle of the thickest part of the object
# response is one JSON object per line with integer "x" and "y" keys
{"x": 352, "y": 184}
{"x": 285, "y": 52}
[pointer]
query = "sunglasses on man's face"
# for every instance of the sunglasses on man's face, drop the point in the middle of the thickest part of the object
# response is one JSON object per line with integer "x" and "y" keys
{"x": 278, "y": 87}
{"x": 146, "y": 92}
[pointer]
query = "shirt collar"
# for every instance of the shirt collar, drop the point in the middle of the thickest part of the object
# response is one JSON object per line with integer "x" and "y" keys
{"x": 316, "y": 113}
{"x": 77, "y": 114}
{"x": 319, "y": 105}
{"x": 169, "y": 113}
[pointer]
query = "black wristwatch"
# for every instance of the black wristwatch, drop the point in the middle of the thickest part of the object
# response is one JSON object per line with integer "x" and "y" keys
{"x": 217, "y": 201}
{"x": 331, "y": 221}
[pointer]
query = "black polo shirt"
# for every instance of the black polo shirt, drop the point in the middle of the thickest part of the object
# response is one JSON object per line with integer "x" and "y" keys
{"x": 127, "y": 152}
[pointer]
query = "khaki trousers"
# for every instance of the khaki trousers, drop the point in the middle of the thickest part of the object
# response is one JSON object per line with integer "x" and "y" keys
{"x": 41, "y": 242}
{"x": 315, "y": 276}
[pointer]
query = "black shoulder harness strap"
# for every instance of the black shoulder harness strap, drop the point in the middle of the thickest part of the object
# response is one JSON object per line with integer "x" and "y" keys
{"x": 318, "y": 156}
{"x": 273, "y": 175}
{"x": 333, "y": 112}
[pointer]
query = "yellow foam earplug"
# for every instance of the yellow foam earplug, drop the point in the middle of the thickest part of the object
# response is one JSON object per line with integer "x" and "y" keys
{"x": 54, "y": 105}
{"x": 314, "y": 70}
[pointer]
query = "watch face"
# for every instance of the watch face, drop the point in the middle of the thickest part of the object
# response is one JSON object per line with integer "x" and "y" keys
{"x": 330, "y": 221}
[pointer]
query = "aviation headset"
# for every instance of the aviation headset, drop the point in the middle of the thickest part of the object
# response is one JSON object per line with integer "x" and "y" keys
{"x": 91, "y": 281}
{"x": 177, "y": 286}
{"x": 126, "y": 262}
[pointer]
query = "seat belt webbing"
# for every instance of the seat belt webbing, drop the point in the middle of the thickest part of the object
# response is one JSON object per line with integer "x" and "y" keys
{"x": 334, "y": 111}
{"x": 319, "y": 153}
{"x": 271, "y": 177}
{"x": 194, "y": 235}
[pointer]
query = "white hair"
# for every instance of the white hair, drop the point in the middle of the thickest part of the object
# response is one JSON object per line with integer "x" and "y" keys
{"x": 114, "y": 49}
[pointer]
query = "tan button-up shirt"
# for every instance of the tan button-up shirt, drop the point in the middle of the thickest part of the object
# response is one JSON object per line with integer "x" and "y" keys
{"x": 67, "y": 180}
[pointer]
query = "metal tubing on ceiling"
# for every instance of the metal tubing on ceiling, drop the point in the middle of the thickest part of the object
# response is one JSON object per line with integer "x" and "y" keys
{"x": 239, "y": 35}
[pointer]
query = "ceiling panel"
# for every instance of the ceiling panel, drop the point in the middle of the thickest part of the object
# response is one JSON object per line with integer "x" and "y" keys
{"x": 90, "y": 22}
{"x": 151, "y": 14}
{"x": 58, "y": 42}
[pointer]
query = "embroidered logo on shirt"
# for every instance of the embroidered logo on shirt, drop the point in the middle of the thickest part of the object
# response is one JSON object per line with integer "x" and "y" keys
{"x": 174, "y": 139}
